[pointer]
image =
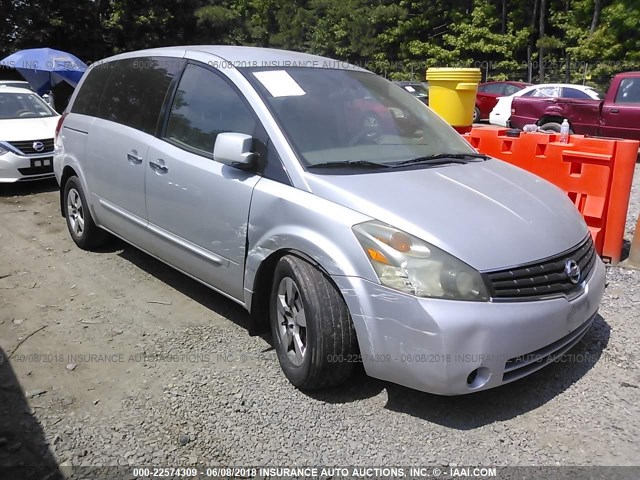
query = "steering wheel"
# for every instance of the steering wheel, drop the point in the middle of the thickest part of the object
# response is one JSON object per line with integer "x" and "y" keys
{"x": 23, "y": 113}
{"x": 370, "y": 131}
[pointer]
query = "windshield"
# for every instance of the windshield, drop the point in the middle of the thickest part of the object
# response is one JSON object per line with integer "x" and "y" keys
{"x": 23, "y": 105}
{"x": 340, "y": 116}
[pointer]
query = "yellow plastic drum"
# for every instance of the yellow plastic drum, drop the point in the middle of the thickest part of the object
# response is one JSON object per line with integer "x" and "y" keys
{"x": 452, "y": 93}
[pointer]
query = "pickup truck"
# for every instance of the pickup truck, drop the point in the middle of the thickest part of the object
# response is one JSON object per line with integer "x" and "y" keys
{"x": 618, "y": 115}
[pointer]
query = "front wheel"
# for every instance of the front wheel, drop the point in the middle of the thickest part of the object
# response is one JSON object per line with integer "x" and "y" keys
{"x": 83, "y": 230}
{"x": 311, "y": 327}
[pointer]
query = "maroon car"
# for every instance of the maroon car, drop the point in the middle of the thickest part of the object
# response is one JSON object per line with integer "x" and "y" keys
{"x": 618, "y": 115}
{"x": 488, "y": 93}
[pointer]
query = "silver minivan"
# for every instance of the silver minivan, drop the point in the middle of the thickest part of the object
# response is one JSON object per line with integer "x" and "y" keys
{"x": 335, "y": 208}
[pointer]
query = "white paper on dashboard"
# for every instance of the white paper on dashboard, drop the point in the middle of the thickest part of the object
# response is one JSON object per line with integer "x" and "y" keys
{"x": 279, "y": 83}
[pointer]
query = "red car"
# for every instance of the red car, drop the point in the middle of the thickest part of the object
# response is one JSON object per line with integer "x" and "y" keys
{"x": 618, "y": 115}
{"x": 488, "y": 93}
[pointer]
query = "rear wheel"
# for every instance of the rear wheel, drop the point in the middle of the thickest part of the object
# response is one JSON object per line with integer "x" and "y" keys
{"x": 552, "y": 127}
{"x": 83, "y": 230}
{"x": 311, "y": 327}
{"x": 476, "y": 115}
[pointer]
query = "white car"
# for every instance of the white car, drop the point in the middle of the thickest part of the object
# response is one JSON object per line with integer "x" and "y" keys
{"x": 15, "y": 83}
{"x": 27, "y": 128}
{"x": 502, "y": 111}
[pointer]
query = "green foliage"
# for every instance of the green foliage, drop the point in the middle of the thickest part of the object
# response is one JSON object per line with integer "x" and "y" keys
{"x": 136, "y": 24}
{"x": 399, "y": 39}
{"x": 479, "y": 39}
{"x": 613, "y": 47}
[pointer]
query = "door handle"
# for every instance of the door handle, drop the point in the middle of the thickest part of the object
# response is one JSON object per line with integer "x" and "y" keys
{"x": 614, "y": 110}
{"x": 133, "y": 158}
{"x": 159, "y": 167}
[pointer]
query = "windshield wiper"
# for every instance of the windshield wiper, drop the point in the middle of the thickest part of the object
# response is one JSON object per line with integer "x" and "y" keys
{"x": 442, "y": 158}
{"x": 350, "y": 163}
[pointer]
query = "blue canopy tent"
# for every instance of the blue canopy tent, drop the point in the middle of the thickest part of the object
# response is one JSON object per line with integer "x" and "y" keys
{"x": 44, "y": 68}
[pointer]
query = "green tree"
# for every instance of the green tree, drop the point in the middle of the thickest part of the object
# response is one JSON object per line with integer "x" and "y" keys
{"x": 476, "y": 39}
{"x": 223, "y": 22}
{"x": 611, "y": 47}
{"x": 7, "y": 27}
{"x": 137, "y": 24}
{"x": 581, "y": 40}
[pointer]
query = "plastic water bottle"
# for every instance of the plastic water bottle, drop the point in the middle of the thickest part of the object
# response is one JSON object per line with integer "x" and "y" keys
{"x": 530, "y": 127}
{"x": 564, "y": 131}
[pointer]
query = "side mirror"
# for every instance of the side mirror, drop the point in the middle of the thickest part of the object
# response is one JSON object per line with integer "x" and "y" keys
{"x": 233, "y": 149}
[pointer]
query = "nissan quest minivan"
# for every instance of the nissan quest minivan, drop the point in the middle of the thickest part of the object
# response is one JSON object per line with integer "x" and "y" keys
{"x": 335, "y": 208}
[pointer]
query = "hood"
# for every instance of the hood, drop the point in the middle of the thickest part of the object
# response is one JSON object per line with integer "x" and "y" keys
{"x": 22, "y": 129}
{"x": 490, "y": 214}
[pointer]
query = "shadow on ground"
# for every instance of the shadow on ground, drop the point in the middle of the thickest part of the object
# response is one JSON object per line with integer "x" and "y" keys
{"x": 24, "y": 453}
{"x": 27, "y": 188}
{"x": 626, "y": 249}
{"x": 467, "y": 412}
{"x": 182, "y": 283}
{"x": 472, "y": 411}
{"x": 461, "y": 412}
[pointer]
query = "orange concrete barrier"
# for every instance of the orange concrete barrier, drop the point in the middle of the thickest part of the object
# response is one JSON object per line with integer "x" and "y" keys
{"x": 595, "y": 172}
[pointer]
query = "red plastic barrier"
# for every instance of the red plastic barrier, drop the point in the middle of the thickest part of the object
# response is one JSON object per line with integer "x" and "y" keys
{"x": 596, "y": 173}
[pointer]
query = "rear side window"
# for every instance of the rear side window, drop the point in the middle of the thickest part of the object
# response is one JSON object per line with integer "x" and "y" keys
{"x": 494, "y": 88}
{"x": 136, "y": 90}
{"x": 543, "y": 92}
{"x": 511, "y": 89}
{"x": 88, "y": 98}
{"x": 629, "y": 91}
{"x": 574, "y": 93}
{"x": 204, "y": 106}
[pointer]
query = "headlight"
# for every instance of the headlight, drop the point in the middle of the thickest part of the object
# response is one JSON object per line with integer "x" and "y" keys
{"x": 411, "y": 265}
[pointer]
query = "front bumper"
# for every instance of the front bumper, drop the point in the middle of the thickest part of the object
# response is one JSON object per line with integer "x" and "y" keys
{"x": 436, "y": 345}
{"x": 20, "y": 168}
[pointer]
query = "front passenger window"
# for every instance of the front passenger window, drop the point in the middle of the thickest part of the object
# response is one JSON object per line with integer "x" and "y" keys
{"x": 204, "y": 106}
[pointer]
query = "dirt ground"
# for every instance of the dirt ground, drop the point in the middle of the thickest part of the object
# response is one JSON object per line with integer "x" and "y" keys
{"x": 104, "y": 364}
{"x": 73, "y": 324}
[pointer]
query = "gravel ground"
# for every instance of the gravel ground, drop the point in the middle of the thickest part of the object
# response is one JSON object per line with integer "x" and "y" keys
{"x": 175, "y": 380}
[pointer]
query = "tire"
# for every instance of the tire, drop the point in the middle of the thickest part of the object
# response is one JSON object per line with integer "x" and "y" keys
{"x": 321, "y": 353}
{"x": 550, "y": 127}
{"x": 553, "y": 127}
{"x": 82, "y": 228}
{"x": 476, "y": 115}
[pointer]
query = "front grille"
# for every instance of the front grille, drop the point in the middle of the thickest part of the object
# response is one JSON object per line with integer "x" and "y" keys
{"x": 26, "y": 147}
{"x": 523, "y": 365}
{"x": 544, "y": 278}
{"x": 38, "y": 166}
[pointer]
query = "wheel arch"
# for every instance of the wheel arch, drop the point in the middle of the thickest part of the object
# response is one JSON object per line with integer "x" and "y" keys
{"x": 67, "y": 173}
{"x": 263, "y": 283}
{"x": 551, "y": 118}
{"x": 70, "y": 169}
{"x": 289, "y": 221}
{"x": 329, "y": 257}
